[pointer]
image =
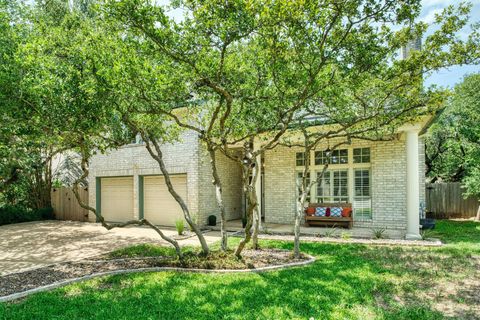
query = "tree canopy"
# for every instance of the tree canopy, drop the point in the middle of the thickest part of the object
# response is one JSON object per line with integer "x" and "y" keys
{"x": 453, "y": 147}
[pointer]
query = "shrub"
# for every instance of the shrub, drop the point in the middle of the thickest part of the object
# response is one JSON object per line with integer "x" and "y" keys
{"x": 379, "y": 233}
{"x": 46, "y": 213}
{"x": 180, "y": 225}
{"x": 16, "y": 214}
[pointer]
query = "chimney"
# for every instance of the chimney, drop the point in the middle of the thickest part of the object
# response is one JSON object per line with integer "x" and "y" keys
{"x": 411, "y": 46}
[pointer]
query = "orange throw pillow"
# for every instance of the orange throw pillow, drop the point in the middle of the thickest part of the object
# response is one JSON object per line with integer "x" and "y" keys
{"x": 310, "y": 211}
{"x": 346, "y": 212}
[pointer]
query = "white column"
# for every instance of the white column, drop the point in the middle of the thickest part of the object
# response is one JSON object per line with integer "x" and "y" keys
{"x": 413, "y": 187}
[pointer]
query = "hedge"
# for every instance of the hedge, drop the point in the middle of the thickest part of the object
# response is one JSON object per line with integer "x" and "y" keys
{"x": 16, "y": 214}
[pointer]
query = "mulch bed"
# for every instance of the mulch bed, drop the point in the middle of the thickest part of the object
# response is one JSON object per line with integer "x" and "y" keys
{"x": 23, "y": 281}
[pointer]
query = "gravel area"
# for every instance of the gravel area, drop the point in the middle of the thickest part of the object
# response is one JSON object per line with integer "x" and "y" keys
{"x": 23, "y": 281}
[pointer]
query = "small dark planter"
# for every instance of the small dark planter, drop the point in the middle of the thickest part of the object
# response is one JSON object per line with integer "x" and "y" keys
{"x": 427, "y": 223}
{"x": 212, "y": 220}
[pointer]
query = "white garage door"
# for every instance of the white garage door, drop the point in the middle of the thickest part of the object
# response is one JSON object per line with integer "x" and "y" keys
{"x": 159, "y": 206}
{"x": 117, "y": 199}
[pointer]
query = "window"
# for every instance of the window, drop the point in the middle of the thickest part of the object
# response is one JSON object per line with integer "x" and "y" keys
{"x": 320, "y": 157}
{"x": 362, "y": 201}
{"x": 299, "y": 185}
{"x": 333, "y": 186}
{"x": 300, "y": 159}
{"x": 337, "y": 157}
{"x": 361, "y": 155}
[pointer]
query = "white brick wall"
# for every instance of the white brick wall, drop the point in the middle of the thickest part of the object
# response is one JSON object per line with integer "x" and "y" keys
{"x": 134, "y": 160}
{"x": 187, "y": 156}
{"x": 388, "y": 174}
{"x": 231, "y": 177}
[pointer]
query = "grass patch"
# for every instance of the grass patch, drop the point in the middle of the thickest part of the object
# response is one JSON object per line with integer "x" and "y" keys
{"x": 141, "y": 250}
{"x": 348, "y": 281}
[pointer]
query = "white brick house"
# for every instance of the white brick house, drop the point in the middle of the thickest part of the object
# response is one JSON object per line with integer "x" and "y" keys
{"x": 383, "y": 180}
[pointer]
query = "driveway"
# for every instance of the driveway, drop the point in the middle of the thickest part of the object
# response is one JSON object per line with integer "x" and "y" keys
{"x": 35, "y": 244}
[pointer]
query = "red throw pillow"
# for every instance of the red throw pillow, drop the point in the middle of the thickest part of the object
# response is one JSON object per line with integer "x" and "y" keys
{"x": 346, "y": 212}
{"x": 310, "y": 211}
{"x": 328, "y": 212}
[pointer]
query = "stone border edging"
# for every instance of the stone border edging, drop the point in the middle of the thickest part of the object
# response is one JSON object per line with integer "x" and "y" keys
{"x": 63, "y": 283}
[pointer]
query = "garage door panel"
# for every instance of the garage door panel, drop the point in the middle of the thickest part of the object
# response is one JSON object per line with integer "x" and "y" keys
{"x": 117, "y": 199}
{"x": 159, "y": 205}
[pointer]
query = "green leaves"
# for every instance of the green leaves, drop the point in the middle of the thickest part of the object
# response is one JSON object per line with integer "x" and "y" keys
{"x": 453, "y": 148}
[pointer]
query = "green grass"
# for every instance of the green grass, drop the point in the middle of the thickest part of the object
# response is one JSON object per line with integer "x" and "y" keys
{"x": 346, "y": 282}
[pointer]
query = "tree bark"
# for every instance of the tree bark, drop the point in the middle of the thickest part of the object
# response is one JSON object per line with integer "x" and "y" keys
{"x": 256, "y": 210}
{"x": 84, "y": 166}
{"x": 219, "y": 197}
{"x": 251, "y": 199}
{"x": 158, "y": 156}
{"x": 477, "y": 218}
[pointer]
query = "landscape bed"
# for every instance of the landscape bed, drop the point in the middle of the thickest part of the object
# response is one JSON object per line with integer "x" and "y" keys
{"x": 146, "y": 257}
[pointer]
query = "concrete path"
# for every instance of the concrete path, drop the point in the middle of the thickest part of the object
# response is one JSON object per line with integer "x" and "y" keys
{"x": 35, "y": 244}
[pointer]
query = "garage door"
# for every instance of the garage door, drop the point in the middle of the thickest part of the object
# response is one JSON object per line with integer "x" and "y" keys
{"x": 117, "y": 199}
{"x": 159, "y": 206}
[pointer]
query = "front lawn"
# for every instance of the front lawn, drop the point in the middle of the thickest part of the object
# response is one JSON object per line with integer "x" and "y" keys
{"x": 346, "y": 282}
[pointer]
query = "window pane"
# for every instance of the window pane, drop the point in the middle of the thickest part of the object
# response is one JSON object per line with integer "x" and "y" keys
{"x": 320, "y": 157}
{"x": 361, "y": 155}
{"x": 333, "y": 187}
{"x": 299, "y": 184}
{"x": 362, "y": 202}
{"x": 344, "y": 156}
{"x": 300, "y": 158}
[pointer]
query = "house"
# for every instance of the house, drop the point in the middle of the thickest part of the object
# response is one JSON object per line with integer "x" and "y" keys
{"x": 383, "y": 180}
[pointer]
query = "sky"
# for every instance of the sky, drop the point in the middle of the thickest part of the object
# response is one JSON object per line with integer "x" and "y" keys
{"x": 445, "y": 77}
{"x": 449, "y": 77}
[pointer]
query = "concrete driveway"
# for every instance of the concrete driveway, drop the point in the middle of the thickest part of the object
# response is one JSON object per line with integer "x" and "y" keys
{"x": 35, "y": 244}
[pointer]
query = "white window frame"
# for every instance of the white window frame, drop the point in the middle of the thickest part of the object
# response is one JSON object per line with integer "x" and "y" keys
{"x": 350, "y": 167}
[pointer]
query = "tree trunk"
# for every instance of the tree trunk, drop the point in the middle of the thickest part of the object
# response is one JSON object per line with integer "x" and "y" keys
{"x": 298, "y": 218}
{"x": 219, "y": 197}
{"x": 477, "y": 218}
{"x": 248, "y": 227}
{"x": 257, "y": 211}
{"x": 186, "y": 213}
{"x": 251, "y": 199}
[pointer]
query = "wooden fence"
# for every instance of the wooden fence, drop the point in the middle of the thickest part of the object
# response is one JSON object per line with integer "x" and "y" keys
{"x": 65, "y": 205}
{"x": 445, "y": 200}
